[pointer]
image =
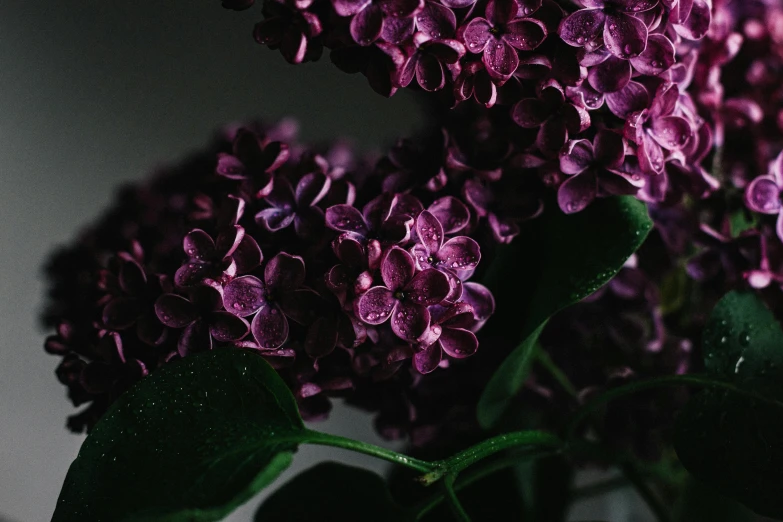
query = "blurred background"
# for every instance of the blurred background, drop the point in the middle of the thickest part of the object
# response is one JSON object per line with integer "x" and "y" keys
{"x": 95, "y": 93}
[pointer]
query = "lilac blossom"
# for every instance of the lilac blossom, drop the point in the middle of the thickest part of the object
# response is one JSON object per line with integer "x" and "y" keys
{"x": 428, "y": 61}
{"x": 451, "y": 332}
{"x": 763, "y": 194}
{"x": 296, "y": 207}
{"x": 370, "y": 20}
{"x": 253, "y": 158}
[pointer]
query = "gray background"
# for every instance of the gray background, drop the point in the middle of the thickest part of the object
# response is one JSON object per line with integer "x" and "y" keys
{"x": 96, "y": 92}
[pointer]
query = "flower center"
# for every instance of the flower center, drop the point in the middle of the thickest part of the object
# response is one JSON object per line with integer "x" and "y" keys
{"x": 399, "y": 295}
{"x": 431, "y": 260}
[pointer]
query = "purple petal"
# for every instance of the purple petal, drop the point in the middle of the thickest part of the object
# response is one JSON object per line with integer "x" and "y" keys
{"x": 309, "y": 223}
{"x": 198, "y": 245}
{"x": 763, "y": 195}
{"x": 501, "y": 12}
{"x": 452, "y": 214}
{"x": 349, "y": 7}
{"x": 500, "y": 59}
{"x": 321, "y": 337}
{"x": 293, "y": 46}
{"x": 366, "y": 25}
{"x": 458, "y": 343}
{"x": 247, "y": 255}
{"x": 650, "y": 154}
{"x": 671, "y": 132}
{"x": 284, "y": 272}
{"x": 345, "y": 218}
{"x": 631, "y": 98}
{"x": 282, "y": 194}
{"x": 244, "y": 295}
{"x": 577, "y": 192}
{"x": 149, "y": 329}
{"x": 132, "y": 278}
{"x": 459, "y": 253}
{"x": 400, "y": 8}
{"x": 228, "y": 240}
{"x": 409, "y": 320}
{"x": 194, "y": 339}
{"x": 530, "y": 113}
{"x": 481, "y": 300}
{"x": 429, "y": 287}
{"x": 429, "y": 73}
{"x": 275, "y": 219}
{"x": 175, "y": 311}
{"x": 552, "y": 135}
{"x": 427, "y": 360}
{"x": 301, "y": 305}
{"x": 312, "y": 188}
{"x": 230, "y": 167}
{"x": 191, "y": 274}
{"x": 609, "y": 149}
{"x": 397, "y": 268}
{"x": 610, "y": 75}
{"x": 438, "y": 21}
{"x": 430, "y": 231}
{"x": 624, "y": 35}
{"x": 583, "y": 28}
{"x": 375, "y": 305}
{"x": 397, "y": 30}
{"x": 525, "y": 34}
{"x": 269, "y": 327}
{"x": 698, "y": 22}
{"x": 656, "y": 58}
{"x": 576, "y": 157}
{"x": 588, "y": 96}
{"x": 226, "y": 327}
{"x": 477, "y": 35}
{"x": 504, "y": 230}
{"x": 576, "y": 117}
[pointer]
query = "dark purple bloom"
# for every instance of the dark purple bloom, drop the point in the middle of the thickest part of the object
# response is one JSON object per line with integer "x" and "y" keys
{"x": 279, "y": 296}
{"x": 763, "y": 194}
{"x": 439, "y": 21}
{"x": 553, "y": 115}
{"x": 474, "y": 81}
{"x": 386, "y": 218}
{"x": 293, "y": 30}
{"x": 451, "y": 332}
{"x": 455, "y": 256}
{"x": 484, "y": 202}
{"x": 594, "y": 170}
{"x": 404, "y": 296}
{"x": 500, "y": 35}
{"x": 370, "y": 20}
{"x": 452, "y": 214}
{"x": 253, "y": 159}
{"x": 202, "y": 318}
{"x": 233, "y": 253}
{"x": 428, "y": 62}
{"x": 611, "y": 23}
{"x": 287, "y": 206}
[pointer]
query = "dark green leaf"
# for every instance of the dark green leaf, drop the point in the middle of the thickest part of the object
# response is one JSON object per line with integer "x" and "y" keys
{"x": 730, "y": 441}
{"x": 189, "y": 443}
{"x": 332, "y": 491}
{"x": 558, "y": 260}
{"x": 701, "y": 502}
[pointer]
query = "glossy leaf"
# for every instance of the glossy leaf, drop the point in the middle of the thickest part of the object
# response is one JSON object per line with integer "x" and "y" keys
{"x": 333, "y": 491}
{"x": 191, "y": 442}
{"x": 730, "y": 441}
{"x": 558, "y": 260}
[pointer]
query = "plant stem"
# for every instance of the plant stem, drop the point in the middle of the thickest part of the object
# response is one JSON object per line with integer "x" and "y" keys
{"x": 557, "y": 374}
{"x": 648, "y": 495}
{"x": 484, "y": 449}
{"x": 657, "y": 382}
{"x": 325, "y": 439}
{"x": 454, "y": 503}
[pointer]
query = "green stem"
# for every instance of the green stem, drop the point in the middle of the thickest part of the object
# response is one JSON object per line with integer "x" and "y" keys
{"x": 657, "y": 382}
{"x": 557, "y": 374}
{"x": 325, "y": 439}
{"x": 454, "y": 503}
{"x": 482, "y": 450}
{"x": 648, "y": 495}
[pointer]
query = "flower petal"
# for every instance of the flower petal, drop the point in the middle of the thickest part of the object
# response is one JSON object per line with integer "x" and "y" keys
{"x": 269, "y": 327}
{"x": 375, "y": 305}
{"x": 346, "y": 218}
{"x": 500, "y": 59}
{"x": 230, "y": 167}
{"x": 459, "y": 253}
{"x": 427, "y": 360}
{"x": 409, "y": 320}
{"x": 191, "y": 274}
{"x": 349, "y": 7}
{"x": 400, "y": 8}
{"x": 175, "y": 311}
{"x": 429, "y": 231}
{"x": 624, "y": 35}
{"x": 477, "y": 35}
{"x": 366, "y": 25}
{"x": 650, "y": 154}
{"x": 576, "y": 157}
{"x": 481, "y": 300}
{"x": 321, "y": 337}
{"x": 397, "y": 30}
{"x": 504, "y": 230}
{"x": 226, "y": 327}
{"x": 609, "y": 149}
{"x": 698, "y": 22}
{"x": 525, "y": 34}
{"x": 301, "y": 305}
{"x": 583, "y": 28}
{"x": 429, "y": 73}
{"x": 656, "y": 58}
{"x": 247, "y": 255}
{"x": 284, "y": 272}
{"x": 397, "y": 268}
{"x": 631, "y": 98}
{"x": 458, "y": 343}
{"x": 429, "y": 287}
{"x": 552, "y": 135}
{"x": 763, "y": 195}
{"x": 244, "y": 295}
{"x": 530, "y": 113}
{"x": 275, "y": 219}
{"x": 610, "y": 75}
{"x": 671, "y": 132}
{"x": 195, "y": 338}
{"x": 438, "y": 21}
{"x": 312, "y": 188}
{"x": 577, "y": 192}
{"x": 198, "y": 245}
{"x": 452, "y": 214}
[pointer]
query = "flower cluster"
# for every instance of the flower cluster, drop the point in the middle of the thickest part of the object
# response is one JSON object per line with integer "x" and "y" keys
{"x": 278, "y": 249}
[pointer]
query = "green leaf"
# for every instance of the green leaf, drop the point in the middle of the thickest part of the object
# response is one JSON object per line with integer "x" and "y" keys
{"x": 191, "y": 442}
{"x": 731, "y": 441}
{"x": 558, "y": 260}
{"x": 700, "y": 502}
{"x": 332, "y": 491}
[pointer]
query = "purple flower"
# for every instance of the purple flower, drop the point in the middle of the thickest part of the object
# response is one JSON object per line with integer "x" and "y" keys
{"x": 553, "y": 115}
{"x": 658, "y": 128}
{"x": 253, "y": 159}
{"x": 458, "y": 255}
{"x": 763, "y": 194}
{"x": 439, "y": 21}
{"x": 451, "y": 331}
{"x": 390, "y": 19}
{"x": 202, "y": 318}
{"x": 293, "y": 30}
{"x": 500, "y": 35}
{"x": 474, "y": 81}
{"x": 287, "y": 206}
{"x": 385, "y": 218}
{"x": 484, "y": 201}
{"x": 233, "y": 253}
{"x": 281, "y": 295}
{"x": 428, "y": 62}
{"x": 404, "y": 296}
{"x": 594, "y": 170}
{"x": 610, "y": 23}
